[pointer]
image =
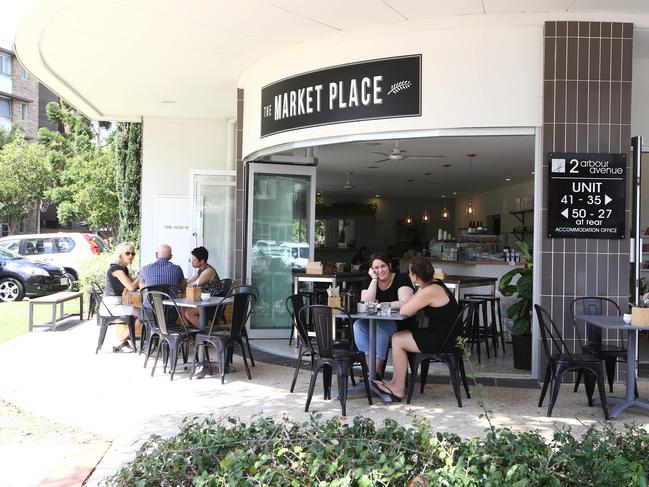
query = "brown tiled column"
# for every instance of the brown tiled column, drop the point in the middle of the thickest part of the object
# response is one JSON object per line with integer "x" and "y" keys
{"x": 239, "y": 244}
{"x": 586, "y": 108}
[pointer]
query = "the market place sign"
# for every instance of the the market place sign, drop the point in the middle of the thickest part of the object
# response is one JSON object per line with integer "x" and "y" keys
{"x": 367, "y": 90}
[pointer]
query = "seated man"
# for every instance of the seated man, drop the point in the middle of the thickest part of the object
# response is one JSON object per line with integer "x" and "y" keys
{"x": 163, "y": 272}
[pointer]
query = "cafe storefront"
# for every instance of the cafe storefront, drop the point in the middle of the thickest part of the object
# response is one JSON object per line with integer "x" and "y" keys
{"x": 229, "y": 148}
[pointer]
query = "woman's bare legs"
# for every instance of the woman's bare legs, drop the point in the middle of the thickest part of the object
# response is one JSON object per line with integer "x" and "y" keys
{"x": 402, "y": 343}
{"x": 191, "y": 316}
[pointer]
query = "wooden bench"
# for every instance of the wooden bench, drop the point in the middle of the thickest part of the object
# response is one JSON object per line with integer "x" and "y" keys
{"x": 53, "y": 300}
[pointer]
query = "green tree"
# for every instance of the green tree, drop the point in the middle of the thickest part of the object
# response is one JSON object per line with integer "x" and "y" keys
{"x": 84, "y": 186}
{"x": 128, "y": 155}
{"x": 7, "y": 136}
{"x": 24, "y": 175}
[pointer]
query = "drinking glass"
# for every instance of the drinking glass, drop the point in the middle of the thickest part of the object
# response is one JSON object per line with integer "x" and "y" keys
{"x": 371, "y": 307}
{"x": 385, "y": 309}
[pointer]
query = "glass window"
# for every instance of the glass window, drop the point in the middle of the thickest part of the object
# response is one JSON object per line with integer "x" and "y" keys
{"x": 38, "y": 246}
{"x": 23, "y": 73}
{"x": 23, "y": 111}
{"x": 12, "y": 245}
{"x": 5, "y": 108}
{"x": 64, "y": 244}
{"x": 5, "y": 65}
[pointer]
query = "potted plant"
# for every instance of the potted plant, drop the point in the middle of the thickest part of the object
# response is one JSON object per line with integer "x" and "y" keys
{"x": 521, "y": 311}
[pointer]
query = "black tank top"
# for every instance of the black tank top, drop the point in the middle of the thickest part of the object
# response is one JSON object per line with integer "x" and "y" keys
{"x": 440, "y": 319}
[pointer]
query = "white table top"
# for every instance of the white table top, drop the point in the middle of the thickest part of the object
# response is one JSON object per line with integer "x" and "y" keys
{"x": 188, "y": 303}
{"x": 613, "y": 322}
{"x": 394, "y": 315}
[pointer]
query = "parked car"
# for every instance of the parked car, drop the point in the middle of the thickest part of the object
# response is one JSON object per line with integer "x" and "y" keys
{"x": 66, "y": 250}
{"x": 294, "y": 254}
{"x": 20, "y": 277}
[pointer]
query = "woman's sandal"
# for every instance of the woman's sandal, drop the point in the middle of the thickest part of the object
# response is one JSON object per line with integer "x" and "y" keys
{"x": 387, "y": 390}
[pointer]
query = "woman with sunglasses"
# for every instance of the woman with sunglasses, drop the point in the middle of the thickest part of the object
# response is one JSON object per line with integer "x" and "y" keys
{"x": 118, "y": 279}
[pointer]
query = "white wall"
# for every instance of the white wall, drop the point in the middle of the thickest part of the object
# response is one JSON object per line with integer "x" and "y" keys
{"x": 499, "y": 201}
{"x": 171, "y": 150}
{"x": 478, "y": 76}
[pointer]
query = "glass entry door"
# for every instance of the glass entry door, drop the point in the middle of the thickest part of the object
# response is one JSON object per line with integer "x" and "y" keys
{"x": 281, "y": 215}
{"x": 214, "y": 204}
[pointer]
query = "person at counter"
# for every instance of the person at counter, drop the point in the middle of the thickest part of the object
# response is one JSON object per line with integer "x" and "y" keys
{"x": 361, "y": 259}
{"x": 433, "y": 302}
{"x": 384, "y": 286}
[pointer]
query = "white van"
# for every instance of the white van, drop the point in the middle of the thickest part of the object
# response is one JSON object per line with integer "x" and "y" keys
{"x": 295, "y": 254}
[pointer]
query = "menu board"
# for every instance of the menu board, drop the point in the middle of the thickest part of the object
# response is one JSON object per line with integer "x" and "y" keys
{"x": 586, "y": 195}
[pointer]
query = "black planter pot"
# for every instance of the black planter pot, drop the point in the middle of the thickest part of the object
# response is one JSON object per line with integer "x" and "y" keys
{"x": 522, "y": 345}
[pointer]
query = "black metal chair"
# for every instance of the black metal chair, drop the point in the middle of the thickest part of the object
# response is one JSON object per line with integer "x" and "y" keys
{"x": 294, "y": 303}
{"x": 149, "y": 328}
{"x": 328, "y": 358}
{"x": 478, "y": 334}
{"x": 454, "y": 360}
{"x": 610, "y": 354}
{"x": 171, "y": 337}
{"x": 224, "y": 339}
{"x": 563, "y": 361}
{"x": 104, "y": 321}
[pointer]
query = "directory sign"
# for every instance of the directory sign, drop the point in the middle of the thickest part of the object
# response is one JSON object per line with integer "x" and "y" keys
{"x": 586, "y": 195}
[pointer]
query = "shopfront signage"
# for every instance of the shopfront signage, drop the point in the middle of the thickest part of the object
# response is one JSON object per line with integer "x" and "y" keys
{"x": 586, "y": 195}
{"x": 367, "y": 90}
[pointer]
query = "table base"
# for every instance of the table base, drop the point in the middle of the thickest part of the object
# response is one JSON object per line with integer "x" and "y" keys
{"x": 622, "y": 404}
{"x": 358, "y": 391}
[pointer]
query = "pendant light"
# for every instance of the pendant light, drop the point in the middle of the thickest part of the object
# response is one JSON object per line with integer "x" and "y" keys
{"x": 446, "y": 215}
{"x": 470, "y": 209}
{"x": 425, "y": 218}
{"x": 408, "y": 219}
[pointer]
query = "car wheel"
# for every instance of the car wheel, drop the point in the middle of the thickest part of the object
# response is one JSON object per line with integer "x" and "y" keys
{"x": 11, "y": 290}
{"x": 71, "y": 281}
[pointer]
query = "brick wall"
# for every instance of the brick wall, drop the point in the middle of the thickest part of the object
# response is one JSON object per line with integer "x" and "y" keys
{"x": 586, "y": 108}
{"x": 27, "y": 88}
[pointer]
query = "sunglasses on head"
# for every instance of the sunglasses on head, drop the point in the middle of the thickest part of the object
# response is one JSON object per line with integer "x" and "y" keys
{"x": 129, "y": 253}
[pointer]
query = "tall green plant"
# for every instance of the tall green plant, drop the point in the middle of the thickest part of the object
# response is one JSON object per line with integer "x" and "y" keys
{"x": 521, "y": 311}
{"x": 128, "y": 153}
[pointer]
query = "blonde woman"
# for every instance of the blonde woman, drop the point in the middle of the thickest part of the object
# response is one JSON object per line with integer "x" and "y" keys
{"x": 118, "y": 279}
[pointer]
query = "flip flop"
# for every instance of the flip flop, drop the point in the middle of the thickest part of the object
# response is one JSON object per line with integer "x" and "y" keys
{"x": 387, "y": 390}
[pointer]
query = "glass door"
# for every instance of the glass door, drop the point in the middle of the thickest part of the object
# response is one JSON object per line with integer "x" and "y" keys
{"x": 214, "y": 204}
{"x": 281, "y": 211}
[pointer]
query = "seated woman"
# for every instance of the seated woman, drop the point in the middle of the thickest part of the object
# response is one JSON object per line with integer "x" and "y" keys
{"x": 207, "y": 278}
{"x": 384, "y": 286}
{"x": 118, "y": 279}
{"x": 438, "y": 305}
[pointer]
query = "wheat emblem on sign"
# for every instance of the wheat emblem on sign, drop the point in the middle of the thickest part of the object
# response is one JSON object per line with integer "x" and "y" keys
{"x": 399, "y": 86}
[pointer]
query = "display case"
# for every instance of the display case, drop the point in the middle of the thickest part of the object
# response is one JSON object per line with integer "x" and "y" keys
{"x": 480, "y": 247}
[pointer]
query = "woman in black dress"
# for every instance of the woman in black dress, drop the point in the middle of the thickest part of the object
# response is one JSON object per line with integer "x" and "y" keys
{"x": 438, "y": 306}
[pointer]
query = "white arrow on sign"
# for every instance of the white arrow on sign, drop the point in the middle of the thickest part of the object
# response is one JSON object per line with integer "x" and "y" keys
{"x": 565, "y": 212}
{"x": 607, "y": 200}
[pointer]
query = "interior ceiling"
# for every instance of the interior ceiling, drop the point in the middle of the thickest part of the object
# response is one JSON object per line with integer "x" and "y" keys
{"x": 175, "y": 58}
{"x": 496, "y": 158}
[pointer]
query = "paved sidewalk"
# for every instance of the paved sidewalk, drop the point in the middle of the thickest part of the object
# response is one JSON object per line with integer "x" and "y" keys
{"x": 58, "y": 376}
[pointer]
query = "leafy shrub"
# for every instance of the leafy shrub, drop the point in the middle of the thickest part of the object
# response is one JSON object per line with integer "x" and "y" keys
{"x": 285, "y": 453}
{"x": 93, "y": 269}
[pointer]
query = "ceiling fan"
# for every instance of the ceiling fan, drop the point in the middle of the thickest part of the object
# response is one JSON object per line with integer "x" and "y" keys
{"x": 397, "y": 154}
{"x": 348, "y": 185}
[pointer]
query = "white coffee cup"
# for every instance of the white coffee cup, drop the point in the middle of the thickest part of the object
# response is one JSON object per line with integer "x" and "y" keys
{"x": 361, "y": 308}
{"x": 205, "y": 296}
{"x": 626, "y": 317}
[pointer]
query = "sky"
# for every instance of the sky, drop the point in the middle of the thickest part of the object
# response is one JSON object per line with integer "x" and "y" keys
{"x": 12, "y": 12}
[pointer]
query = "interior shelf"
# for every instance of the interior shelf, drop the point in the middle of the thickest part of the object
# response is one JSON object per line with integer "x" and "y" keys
{"x": 520, "y": 216}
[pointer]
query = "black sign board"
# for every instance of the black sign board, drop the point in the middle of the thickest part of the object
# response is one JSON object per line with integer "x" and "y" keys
{"x": 380, "y": 88}
{"x": 587, "y": 195}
